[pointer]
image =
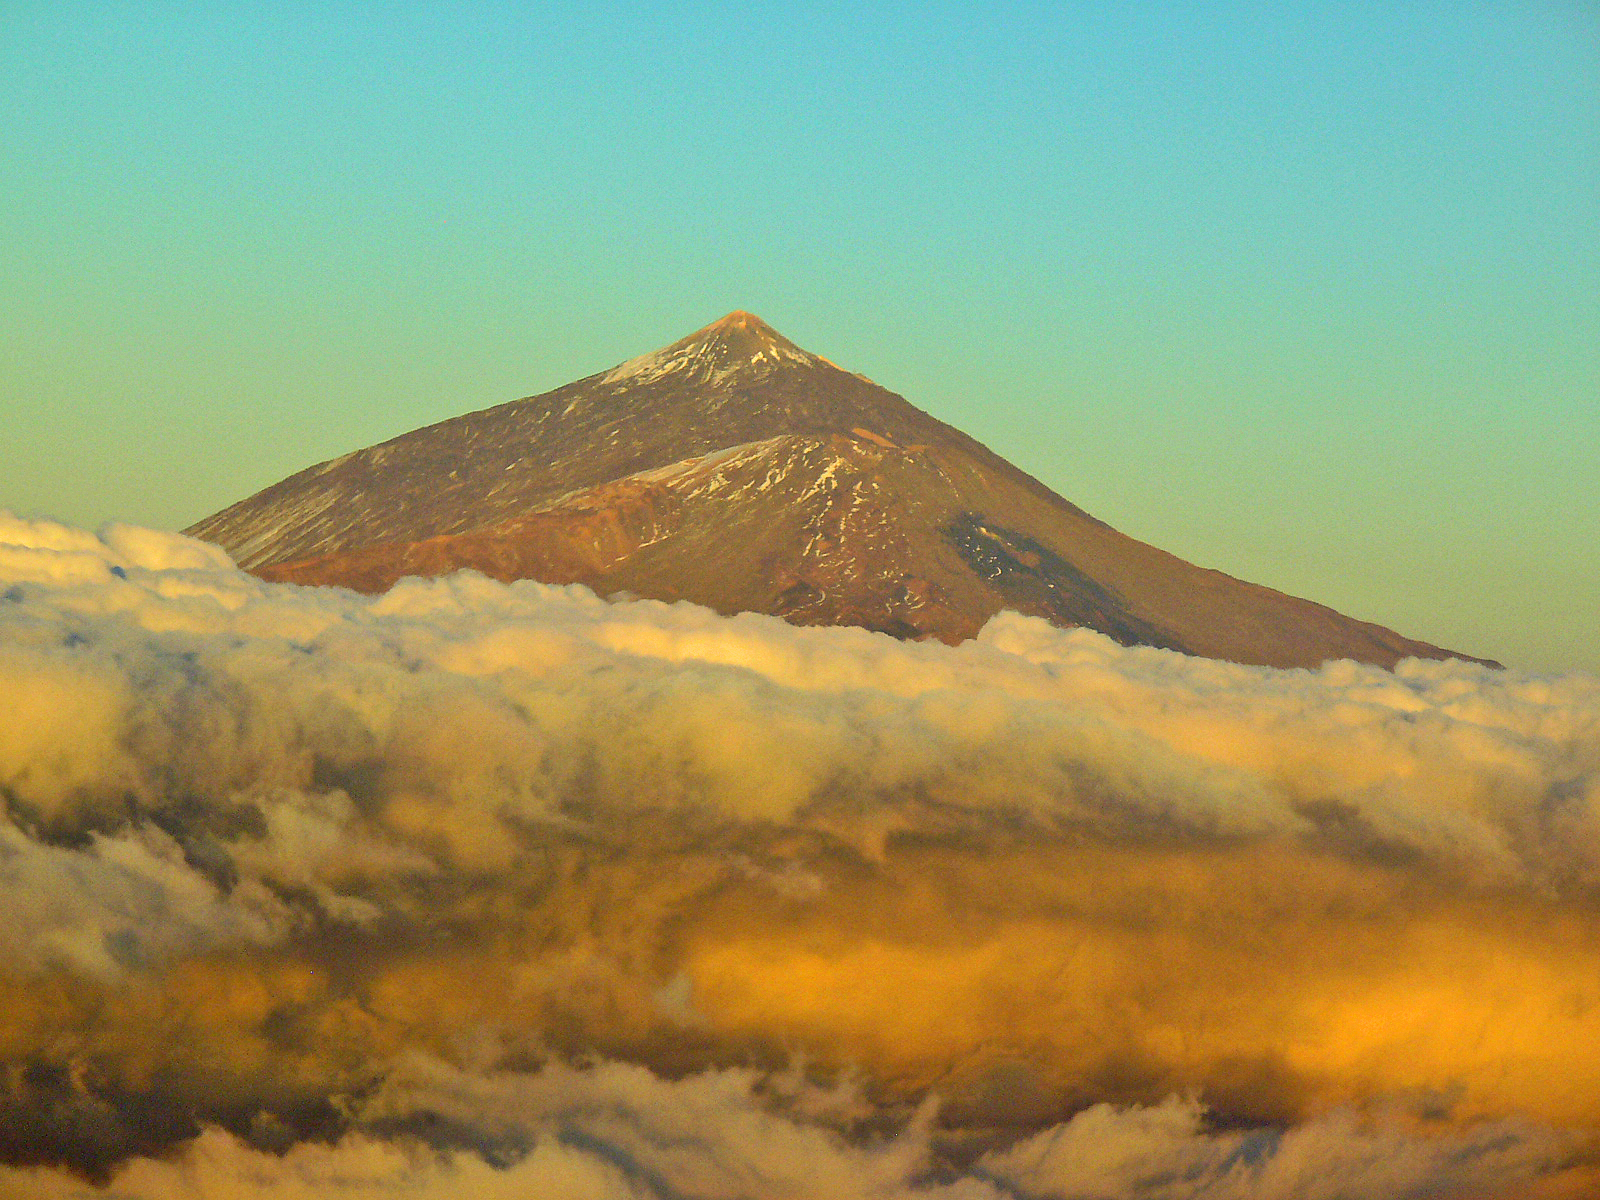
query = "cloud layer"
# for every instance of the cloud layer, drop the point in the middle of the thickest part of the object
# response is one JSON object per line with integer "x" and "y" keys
{"x": 478, "y": 887}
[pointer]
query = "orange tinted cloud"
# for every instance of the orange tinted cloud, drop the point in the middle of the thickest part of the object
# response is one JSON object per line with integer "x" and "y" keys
{"x": 297, "y": 873}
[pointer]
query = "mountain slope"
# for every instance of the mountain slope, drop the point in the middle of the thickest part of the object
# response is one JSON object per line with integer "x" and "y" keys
{"x": 736, "y": 470}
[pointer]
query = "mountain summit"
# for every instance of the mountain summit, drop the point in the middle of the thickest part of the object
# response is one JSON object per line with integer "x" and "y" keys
{"x": 738, "y": 345}
{"x": 736, "y": 470}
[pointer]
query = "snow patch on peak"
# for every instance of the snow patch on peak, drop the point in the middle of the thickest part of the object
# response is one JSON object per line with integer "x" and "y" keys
{"x": 645, "y": 367}
{"x": 705, "y": 473}
{"x": 739, "y": 345}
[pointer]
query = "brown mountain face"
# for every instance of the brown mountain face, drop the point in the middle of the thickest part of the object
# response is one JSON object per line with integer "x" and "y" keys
{"x": 738, "y": 471}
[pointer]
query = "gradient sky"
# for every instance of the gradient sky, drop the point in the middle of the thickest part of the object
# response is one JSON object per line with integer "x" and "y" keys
{"x": 1308, "y": 293}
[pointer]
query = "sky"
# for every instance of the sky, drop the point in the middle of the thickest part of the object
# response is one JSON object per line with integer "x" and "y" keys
{"x": 1308, "y": 293}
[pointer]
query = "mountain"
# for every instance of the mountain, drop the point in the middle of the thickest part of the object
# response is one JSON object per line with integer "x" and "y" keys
{"x": 736, "y": 470}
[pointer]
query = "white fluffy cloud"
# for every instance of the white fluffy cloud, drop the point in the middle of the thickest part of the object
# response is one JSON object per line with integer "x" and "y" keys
{"x": 266, "y": 849}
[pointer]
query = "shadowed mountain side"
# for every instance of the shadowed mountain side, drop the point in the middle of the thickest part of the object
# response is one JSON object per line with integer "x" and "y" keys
{"x": 738, "y": 471}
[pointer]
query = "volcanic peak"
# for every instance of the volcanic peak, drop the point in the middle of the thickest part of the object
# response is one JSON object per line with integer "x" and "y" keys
{"x": 736, "y": 470}
{"x": 741, "y": 320}
{"x": 738, "y": 346}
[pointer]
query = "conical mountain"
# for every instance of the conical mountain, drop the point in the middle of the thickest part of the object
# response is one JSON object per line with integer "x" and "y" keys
{"x": 736, "y": 470}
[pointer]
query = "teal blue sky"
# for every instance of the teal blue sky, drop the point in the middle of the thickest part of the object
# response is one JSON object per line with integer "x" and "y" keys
{"x": 1306, "y": 292}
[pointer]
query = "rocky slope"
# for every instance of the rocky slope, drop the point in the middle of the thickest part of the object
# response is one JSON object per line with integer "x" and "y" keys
{"x": 736, "y": 470}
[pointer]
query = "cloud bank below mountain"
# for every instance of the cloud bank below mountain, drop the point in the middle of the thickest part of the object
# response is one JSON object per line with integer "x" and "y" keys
{"x": 495, "y": 889}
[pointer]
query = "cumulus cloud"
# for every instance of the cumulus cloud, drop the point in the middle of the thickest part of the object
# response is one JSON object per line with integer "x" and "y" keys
{"x": 615, "y": 1132}
{"x": 471, "y": 882}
